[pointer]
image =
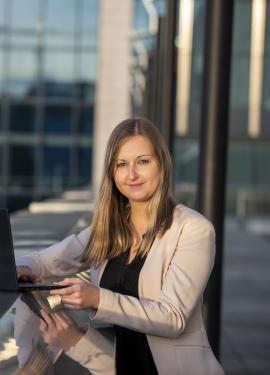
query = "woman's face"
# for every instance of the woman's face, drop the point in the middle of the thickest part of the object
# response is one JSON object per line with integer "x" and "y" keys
{"x": 137, "y": 172}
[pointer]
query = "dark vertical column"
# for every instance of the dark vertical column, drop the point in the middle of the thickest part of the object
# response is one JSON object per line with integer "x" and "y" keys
{"x": 166, "y": 110}
{"x": 213, "y": 145}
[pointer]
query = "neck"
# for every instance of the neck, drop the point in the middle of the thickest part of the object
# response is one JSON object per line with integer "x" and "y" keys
{"x": 138, "y": 216}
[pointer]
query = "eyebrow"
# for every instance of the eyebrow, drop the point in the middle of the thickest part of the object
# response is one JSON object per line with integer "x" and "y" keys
{"x": 136, "y": 157}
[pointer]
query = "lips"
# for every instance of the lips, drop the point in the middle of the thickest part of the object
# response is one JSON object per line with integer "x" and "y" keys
{"x": 135, "y": 186}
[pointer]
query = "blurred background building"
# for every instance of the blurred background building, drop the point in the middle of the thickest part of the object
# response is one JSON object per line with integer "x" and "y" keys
{"x": 48, "y": 53}
{"x": 70, "y": 70}
{"x": 48, "y": 79}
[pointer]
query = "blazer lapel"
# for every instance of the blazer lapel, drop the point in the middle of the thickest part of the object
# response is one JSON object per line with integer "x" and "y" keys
{"x": 158, "y": 260}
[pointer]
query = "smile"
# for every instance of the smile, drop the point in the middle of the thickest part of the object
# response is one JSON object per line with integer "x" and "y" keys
{"x": 135, "y": 186}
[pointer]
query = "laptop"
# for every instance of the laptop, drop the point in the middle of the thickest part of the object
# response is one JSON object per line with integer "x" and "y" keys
{"x": 8, "y": 274}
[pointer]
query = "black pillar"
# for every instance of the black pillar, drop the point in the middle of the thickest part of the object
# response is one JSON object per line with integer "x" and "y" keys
{"x": 167, "y": 73}
{"x": 213, "y": 146}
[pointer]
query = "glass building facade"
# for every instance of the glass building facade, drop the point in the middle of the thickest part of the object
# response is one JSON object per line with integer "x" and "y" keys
{"x": 48, "y": 55}
{"x": 248, "y": 175}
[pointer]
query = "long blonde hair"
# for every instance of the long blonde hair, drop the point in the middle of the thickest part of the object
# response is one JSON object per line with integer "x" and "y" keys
{"x": 111, "y": 232}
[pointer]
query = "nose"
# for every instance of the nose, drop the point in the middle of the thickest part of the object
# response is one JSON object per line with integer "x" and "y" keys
{"x": 132, "y": 172}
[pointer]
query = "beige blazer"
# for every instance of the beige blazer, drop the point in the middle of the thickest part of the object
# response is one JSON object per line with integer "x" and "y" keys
{"x": 169, "y": 308}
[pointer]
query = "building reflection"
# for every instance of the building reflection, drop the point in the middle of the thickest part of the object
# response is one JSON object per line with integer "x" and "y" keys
{"x": 249, "y": 143}
{"x": 47, "y": 87}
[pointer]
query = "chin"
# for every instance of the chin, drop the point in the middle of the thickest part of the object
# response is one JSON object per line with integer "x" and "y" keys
{"x": 139, "y": 199}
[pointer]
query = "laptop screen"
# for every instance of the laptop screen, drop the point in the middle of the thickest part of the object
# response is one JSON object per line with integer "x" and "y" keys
{"x": 8, "y": 277}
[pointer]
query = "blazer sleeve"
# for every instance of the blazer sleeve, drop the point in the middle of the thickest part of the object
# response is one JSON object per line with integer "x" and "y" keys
{"x": 182, "y": 287}
{"x": 95, "y": 352}
{"x": 60, "y": 259}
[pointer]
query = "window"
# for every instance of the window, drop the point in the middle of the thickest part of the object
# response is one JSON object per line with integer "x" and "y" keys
{"x": 22, "y": 162}
{"x": 57, "y": 119}
{"x": 22, "y": 118}
{"x": 56, "y": 162}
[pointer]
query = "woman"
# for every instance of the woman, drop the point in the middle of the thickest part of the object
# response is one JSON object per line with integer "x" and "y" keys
{"x": 149, "y": 260}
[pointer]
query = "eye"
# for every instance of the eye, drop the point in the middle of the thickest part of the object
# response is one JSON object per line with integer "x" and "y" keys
{"x": 121, "y": 164}
{"x": 143, "y": 161}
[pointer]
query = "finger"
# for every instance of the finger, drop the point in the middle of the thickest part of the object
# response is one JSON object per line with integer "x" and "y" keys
{"x": 71, "y": 300}
{"x": 72, "y": 307}
{"x": 63, "y": 321}
{"x": 65, "y": 317}
{"x": 63, "y": 292}
{"x": 70, "y": 281}
{"x": 48, "y": 318}
{"x": 59, "y": 321}
{"x": 42, "y": 325}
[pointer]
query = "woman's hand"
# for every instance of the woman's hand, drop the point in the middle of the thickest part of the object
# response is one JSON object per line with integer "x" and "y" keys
{"x": 25, "y": 273}
{"x": 59, "y": 330}
{"x": 79, "y": 295}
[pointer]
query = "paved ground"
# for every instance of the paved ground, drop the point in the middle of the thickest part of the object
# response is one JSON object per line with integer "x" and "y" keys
{"x": 246, "y": 300}
{"x": 245, "y": 340}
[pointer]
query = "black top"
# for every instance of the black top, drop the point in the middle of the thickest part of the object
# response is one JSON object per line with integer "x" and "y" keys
{"x": 133, "y": 355}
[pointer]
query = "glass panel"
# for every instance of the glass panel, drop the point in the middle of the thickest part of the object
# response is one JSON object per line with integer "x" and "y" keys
{"x": 22, "y": 160}
{"x": 59, "y": 66}
{"x": 1, "y": 73}
{"x": 84, "y": 164}
{"x": 2, "y": 25}
{"x": 144, "y": 62}
{"x": 248, "y": 171}
{"x": 2, "y": 9}
{"x": 196, "y": 69}
{"x": 141, "y": 17}
{"x": 85, "y": 91}
{"x": 86, "y": 119}
{"x": 57, "y": 91}
{"x": 266, "y": 80}
{"x": 25, "y": 17}
{"x": 1, "y": 162}
{"x": 191, "y": 23}
{"x": 25, "y": 21}
{"x": 57, "y": 119}
{"x": 89, "y": 22}
{"x": 22, "y": 73}
{"x": 56, "y": 167}
{"x": 88, "y": 67}
{"x": 240, "y": 70}
{"x": 22, "y": 118}
{"x": 61, "y": 33}
{"x": 185, "y": 170}
{"x": 161, "y": 6}
{"x": 1, "y": 118}
{"x": 249, "y": 180}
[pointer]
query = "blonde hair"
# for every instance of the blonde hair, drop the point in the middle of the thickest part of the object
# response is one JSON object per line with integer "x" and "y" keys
{"x": 111, "y": 232}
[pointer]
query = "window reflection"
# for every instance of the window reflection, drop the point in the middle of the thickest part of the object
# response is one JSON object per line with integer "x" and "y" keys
{"x": 87, "y": 67}
{"x": 85, "y": 119}
{"x": 84, "y": 164}
{"x": 59, "y": 66}
{"x": 56, "y": 162}
{"x": 62, "y": 33}
{"x": 1, "y": 120}
{"x": 22, "y": 161}
{"x": 89, "y": 19}
{"x": 2, "y": 9}
{"x": 57, "y": 91}
{"x": 57, "y": 119}
{"x": 1, "y": 159}
{"x": 21, "y": 73}
{"x": 22, "y": 118}
{"x": 1, "y": 74}
{"x": 47, "y": 87}
{"x": 266, "y": 80}
{"x": 25, "y": 17}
